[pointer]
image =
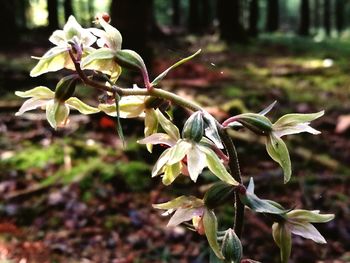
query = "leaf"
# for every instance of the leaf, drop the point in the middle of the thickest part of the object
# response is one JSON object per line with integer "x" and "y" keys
{"x": 119, "y": 125}
{"x": 278, "y": 151}
{"x": 216, "y": 167}
{"x": 283, "y": 239}
{"x": 162, "y": 75}
{"x": 211, "y": 227}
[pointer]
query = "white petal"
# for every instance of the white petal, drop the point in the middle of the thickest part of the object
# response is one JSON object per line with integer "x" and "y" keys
{"x": 163, "y": 158}
{"x": 178, "y": 152}
{"x": 306, "y": 230}
{"x": 299, "y": 128}
{"x": 182, "y": 215}
{"x": 30, "y": 104}
{"x": 58, "y": 38}
{"x": 158, "y": 138}
{"x": 196, "y": 161}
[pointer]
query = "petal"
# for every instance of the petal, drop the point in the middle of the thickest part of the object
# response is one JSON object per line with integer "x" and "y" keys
{"x": 211, "y": 227}
{"x": 171, "y": 172}
{"x": 211, "y": 130}
{"x": 58, "y": 38}
{"x": 40, "y": 92}
{"x": 278, "y": 151}
{"x": 310, "y": 216}
{"x": 72, "y": 28}
{"x": 175, "y": 203}
{"x": 283, "y": 238}
{"x": 178, "y": 152}
{"x": 297, "y": 118}
{"x": 168, "y": 126}
{"x": 158, "y": 138}
{"x": 298, "y": 128}
{"x": 195, "y": 162}
{"x": 87, "y": 38}
{"x": 83, "y": 108}
{"x": 50, "y": 64}
{"x": 98, "y": 54}
{"x": 216, "y": 167}
{"x": 306, "y": 230}
{"x": 30, "y": 104}
{"x": 113, "y": 35}
{"x": 182, "y": 215}
{"x": 151, "y": 125}
{"x": 162, "y": 160}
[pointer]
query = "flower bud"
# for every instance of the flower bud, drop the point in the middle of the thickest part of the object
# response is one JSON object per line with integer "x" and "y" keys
{"x": 194, "y": 127}
{"x": 255, "y": 122}
{"x": 231, "y": 247}
{"x": 130, "y": 59}
{"x": 218, "y": 194}
{"x": 65, "y": 88}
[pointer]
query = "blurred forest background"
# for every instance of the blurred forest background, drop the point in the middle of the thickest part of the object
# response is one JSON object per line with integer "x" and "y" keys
{"x": 75, "y": 195}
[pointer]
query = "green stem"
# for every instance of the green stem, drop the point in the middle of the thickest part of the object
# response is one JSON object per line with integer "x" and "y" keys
{"x": 236, "y": 174}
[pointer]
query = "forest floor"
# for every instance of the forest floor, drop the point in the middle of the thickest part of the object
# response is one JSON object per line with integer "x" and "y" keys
{"x": 75, "y": 195}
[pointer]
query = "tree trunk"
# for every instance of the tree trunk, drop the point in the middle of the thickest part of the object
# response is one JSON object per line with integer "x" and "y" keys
{"x": 317, "y": 19}
{"x": 176, "y": 5}
{"x": 206, "y": 15}
{"x": 304, "y": 27}
{"x": 193, "y": 17}
{"x": 22, "y": 6}
{"x": 135, "y": 25}
{"x": 8, "y": 26}
{"x": 68, "y": 9}
{"x": 53, "y": 14}
{"x": 327, "y": 17}
{"x": 253, "y": 17}
{"x": 231, "y": 30}
{"x": 272, "y": 21}
{"x": 339, "y": 15}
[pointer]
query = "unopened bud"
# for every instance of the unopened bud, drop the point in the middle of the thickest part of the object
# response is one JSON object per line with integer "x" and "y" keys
{"x": 231, "y": 247}
{"x": 218, "y": 194}
{"x": 130, "y": 59}
{"x": 194, "y": 127}
{"x": 255, "y": 122}
{"x": 65, "y": 88}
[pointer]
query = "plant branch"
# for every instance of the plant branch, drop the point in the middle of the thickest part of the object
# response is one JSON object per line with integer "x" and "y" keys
{"x": 233, "y": 164}
{"x": 159, "y": 93}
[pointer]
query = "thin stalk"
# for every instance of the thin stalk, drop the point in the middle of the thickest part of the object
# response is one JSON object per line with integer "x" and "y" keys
{"x": 233, "y": 164}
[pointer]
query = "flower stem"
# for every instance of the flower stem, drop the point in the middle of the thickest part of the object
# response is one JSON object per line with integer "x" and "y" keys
{"x": 236, "y": 174}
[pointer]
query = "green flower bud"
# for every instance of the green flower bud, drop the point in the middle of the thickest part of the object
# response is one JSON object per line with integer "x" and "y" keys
{"x": 218, "y": 194}
{"x": 194, "y": 127}
{"x": 65, "y": 88}
{"x": 231, "y": 247}
{"x": 130, "y": 59}
{"x": 255, "y": 122}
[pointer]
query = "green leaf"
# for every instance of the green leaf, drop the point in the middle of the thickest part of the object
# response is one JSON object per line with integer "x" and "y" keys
{"x": 216, "y": 167}
{"x": 162, "y": 75}
{"x": 278, "y": 151}
{"x": 119, "y": 125}
{"x": 260, "y": 205}
{"x": 168, "y": 126}
{"x": 210, "y": 228}
{"x": 81, "y": 106}
{"x": 283, "y": 239}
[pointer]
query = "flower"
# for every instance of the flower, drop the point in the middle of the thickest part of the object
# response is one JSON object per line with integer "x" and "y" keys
{"x": 185, "y": 208}
{"x": 204, "y": 221}
{"x": 132, "y": 107}
{"x": 56, "y": 111}
{"x": 286, "y": 125}
{"x": 58, "y": 57}
{"x": 103, "y": 59}
{"x": 298, "y": 222}
{"x": 171, "y": 163}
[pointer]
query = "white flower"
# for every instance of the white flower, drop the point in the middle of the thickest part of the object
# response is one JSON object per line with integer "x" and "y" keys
{"x": 58, "y": 57}
{"x": 56, "y": 111}
{"x": 298, "y": 222}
